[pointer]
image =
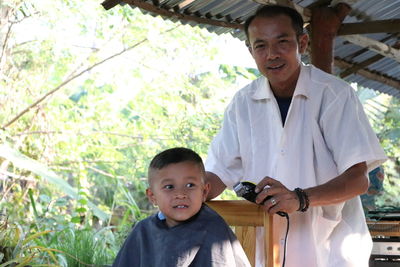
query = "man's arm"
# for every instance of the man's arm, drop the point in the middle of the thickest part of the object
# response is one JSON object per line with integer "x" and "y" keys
{"x": 351, "y": 183}
{"x": 217, "y": 186}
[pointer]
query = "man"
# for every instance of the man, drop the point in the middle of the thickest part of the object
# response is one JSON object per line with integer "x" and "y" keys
{"x": 301, "y": 135}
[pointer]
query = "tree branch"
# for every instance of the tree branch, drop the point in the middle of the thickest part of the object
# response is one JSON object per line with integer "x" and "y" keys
{"x": 3, "y": 49}
{"x": 105, "y": 173}
{"x": 93, "y": 131}
{"x": 74, "y": 77}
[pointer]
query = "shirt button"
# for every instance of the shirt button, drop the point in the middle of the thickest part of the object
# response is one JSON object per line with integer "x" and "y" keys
{"x": 282, "y": 151}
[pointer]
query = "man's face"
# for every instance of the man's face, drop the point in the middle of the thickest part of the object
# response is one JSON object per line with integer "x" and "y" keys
{"x": 178, "y": 190}
{"x": 276, "y": 49}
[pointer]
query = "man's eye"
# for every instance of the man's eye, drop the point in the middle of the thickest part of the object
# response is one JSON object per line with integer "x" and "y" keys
{"x": 283, "y": 41}
{"x": 168, "y": 186}
{"x": 260, "y": 46}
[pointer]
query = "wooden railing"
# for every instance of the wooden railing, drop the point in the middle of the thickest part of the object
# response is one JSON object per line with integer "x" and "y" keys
{"x": 244, "y": 217}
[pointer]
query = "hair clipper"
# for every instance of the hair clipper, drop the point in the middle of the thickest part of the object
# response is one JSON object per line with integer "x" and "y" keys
{"x": 246, "y": 190}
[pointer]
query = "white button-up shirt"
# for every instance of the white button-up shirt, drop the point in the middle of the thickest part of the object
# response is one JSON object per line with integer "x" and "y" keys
{"x": 325, "y": 133}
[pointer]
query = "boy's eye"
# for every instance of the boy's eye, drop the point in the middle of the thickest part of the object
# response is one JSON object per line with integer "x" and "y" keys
{"x": 190, "y": 185}
{"x": 168, "y": 186}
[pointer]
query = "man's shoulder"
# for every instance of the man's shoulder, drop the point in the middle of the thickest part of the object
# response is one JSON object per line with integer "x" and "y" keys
{"x": 327, "y": 85}
{"x": 319, "y": 76}
{"x": 249, "y": 89}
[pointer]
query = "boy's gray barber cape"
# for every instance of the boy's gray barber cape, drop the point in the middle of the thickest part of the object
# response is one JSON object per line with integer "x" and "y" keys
{"x": 204, "y": 240}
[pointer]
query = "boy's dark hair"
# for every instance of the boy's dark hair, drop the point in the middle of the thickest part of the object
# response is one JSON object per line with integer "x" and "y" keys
{"x": 175, "y": 155}
{"x": 268, "y": 11}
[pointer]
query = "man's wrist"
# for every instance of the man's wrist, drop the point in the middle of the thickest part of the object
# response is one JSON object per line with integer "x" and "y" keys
{"x": 304, "y": 201}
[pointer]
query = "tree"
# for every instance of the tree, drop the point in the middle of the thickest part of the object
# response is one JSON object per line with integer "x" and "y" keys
{"x": 89, "y": 97}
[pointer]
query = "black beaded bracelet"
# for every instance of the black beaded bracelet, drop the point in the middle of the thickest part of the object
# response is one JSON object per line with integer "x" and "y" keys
{"x": 300, "y": 197}
{"x": 304, "y": 202}
{"x": 307, "y": 202}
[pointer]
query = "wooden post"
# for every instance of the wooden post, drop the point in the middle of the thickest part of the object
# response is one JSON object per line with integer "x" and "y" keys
{"x": 325, "y": 23}
{"x": 271, "y": 256}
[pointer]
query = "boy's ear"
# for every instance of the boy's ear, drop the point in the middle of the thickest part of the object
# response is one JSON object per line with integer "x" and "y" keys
{"x": 150, "y": 195}
{"x": 206, "y": 190}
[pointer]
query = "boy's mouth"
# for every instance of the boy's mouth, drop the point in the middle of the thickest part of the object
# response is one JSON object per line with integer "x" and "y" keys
{"x": 181, "y": 207}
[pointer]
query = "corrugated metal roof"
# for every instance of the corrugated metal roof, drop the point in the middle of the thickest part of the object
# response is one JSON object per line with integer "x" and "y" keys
{"x": 237, "y": 11}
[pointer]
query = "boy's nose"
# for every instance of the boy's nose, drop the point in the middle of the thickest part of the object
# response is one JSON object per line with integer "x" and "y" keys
{"x": 180, "y": 194}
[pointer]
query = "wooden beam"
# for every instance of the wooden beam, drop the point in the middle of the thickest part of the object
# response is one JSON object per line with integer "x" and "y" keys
{"x": 349, "y": 71}
{"x": 108, "y": 4}
{"x": 325, "y": 22}
{"x": 378, "y": 26}
{"x": 376, "y": 76}
{"x": 164, "y": 12}
{"x": 364, "y": 63}
{"x": 364, "y": 50}
{"x": 373, "y": 45}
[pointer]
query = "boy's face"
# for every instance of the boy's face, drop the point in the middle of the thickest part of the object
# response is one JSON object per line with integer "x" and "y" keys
{"x": 179, "y": 191}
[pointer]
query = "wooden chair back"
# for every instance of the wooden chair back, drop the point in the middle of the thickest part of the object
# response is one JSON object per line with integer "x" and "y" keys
{"x": 245, "y": 216}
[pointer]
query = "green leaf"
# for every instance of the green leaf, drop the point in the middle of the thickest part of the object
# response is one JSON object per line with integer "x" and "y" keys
{"x": 76, "y": 219}
{"x": 80, "y": 209}
{"x": 393, "y": 134}
{"x": 61, "y": 202}
{"x": 82, "y": 201}
{"x": 24, "y": 162}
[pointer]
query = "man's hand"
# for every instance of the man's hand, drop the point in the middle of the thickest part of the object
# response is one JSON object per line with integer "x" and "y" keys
{"x": 281, "y": 198}
{"x": 349, "y": 184}
{"x": 216, "y": 185}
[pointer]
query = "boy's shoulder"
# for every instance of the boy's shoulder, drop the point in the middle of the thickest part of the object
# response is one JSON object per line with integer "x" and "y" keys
{"x": 212, "y": 221}
{"x": 143, "y": 226}
{"x": 209, "y": 213}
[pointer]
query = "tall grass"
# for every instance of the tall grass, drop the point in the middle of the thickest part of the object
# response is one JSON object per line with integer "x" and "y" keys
{"x": 83, "y": 248}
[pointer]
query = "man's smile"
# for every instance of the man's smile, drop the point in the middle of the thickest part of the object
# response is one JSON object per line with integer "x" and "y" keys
{"x": 275, "y": 66}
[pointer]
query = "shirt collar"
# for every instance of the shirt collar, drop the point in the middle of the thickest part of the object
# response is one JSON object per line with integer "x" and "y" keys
{"x": 160, "y": 216}
{"x": 263, "y": 90}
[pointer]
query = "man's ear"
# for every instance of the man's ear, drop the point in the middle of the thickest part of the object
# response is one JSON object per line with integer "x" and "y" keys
{"x": 249, "y": 46}
{"x": 150, "y": 195}
{"x": 303, "y": 43}
{"x": 206, "y": 190}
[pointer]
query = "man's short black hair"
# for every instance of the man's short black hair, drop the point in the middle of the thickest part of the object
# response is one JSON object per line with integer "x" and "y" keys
{"x": 268, "y": 11}
{"x": 175, "y": 155}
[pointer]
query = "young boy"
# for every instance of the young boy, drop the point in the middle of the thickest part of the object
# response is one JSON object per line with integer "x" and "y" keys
{"x": 185, "y": 232}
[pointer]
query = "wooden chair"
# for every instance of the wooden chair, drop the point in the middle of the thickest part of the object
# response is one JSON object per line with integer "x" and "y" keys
{"x": 245, "y": 216}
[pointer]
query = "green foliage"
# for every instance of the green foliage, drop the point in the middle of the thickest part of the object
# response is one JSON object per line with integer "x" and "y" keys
{"x": 74, "y": 166}
{"x": 80, "y": 248}
{"x": 384, "y": 114}
{"x": 16, "y": 249}
{"x": 76, "y": 162}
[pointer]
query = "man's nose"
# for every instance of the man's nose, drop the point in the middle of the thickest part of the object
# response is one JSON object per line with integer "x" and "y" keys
{"x": 272, "y": 52}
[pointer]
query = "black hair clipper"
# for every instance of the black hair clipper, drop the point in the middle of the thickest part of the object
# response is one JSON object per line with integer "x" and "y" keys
{"x": 246, "y": 190}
